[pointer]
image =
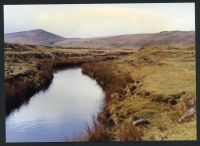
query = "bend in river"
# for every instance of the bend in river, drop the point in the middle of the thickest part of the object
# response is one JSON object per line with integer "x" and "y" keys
{"x": 58, "y": 113}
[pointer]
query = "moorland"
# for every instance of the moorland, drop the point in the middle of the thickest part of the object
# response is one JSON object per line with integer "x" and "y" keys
{"x": 149, "y": 80}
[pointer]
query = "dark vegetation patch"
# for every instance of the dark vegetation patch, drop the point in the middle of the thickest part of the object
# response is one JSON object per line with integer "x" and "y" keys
{"x": 20, "y": 88}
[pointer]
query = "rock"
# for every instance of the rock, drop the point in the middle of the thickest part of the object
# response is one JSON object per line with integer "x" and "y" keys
{"x": 187, "y": 114}
{"x": 191, "y": 102}
{"x": 141, "y": 122}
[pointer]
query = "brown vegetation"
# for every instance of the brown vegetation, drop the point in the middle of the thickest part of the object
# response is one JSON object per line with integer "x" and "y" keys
{"x": 29, "y": 68}
{"x": 154, "y": 83}
{"x": 96, "y": 132}
{"x": 128, "y": 133}
{"x": 19, "y": 89}
{"x": 114, "y": 86}
{"x": 111, "y": 82}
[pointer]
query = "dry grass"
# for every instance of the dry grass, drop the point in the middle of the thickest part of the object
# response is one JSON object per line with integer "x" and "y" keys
{"x": 111, "y": 82}
{"x": 30, "y": 67}
{"x": 128, "y": 133}
{"x": 16, "y": 91}
{"x": 139, "y": 85}
{"x": 96, "y": 132}
{"x": 21, "y": 87}
{"x": 161, "y": 74}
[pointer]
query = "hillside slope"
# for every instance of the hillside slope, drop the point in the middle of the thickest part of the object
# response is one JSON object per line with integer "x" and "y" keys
{"x": 33, "y": 37}
{"x": 131, "y": 41}
{"x": 166, "y": 38}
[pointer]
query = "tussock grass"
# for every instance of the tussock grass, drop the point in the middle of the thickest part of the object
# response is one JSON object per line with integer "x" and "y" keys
{"x": 19, "y": 88}
{"x": 114, "y": 86}
{"x": 159, "y": 74}
{"x": 96, "y": 132}
{"x": 110, "y": 82}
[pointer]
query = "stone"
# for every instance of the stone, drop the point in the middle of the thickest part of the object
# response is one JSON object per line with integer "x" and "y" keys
{"x": 141, "y": 122}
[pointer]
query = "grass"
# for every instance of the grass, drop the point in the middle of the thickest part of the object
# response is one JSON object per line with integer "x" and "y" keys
{"x": 16, "y": 91}
{"x": 128, "y": 133}
{"x": 111, "y": 82}
{"x": 20, "y": 88}
{"x": 29, "y": 68}
{"x": 157, "y": 75}
{"x": 96, "y": 132}
{"x": 146, "y": 84}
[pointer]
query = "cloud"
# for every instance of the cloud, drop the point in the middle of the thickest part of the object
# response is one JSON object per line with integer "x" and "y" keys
{"x": 90, "y": 20}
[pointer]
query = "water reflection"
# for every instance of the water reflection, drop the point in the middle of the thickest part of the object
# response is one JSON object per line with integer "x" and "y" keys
{"x": 57, "y": 113}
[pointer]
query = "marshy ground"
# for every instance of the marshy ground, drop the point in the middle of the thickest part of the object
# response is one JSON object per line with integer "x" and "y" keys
{"x": 156, "y": 84}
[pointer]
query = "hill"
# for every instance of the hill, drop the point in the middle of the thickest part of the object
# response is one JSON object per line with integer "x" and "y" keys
{"x": 131, "y": 41}
{"x": 165, "y": 38}
{"x": 33, "y": 37}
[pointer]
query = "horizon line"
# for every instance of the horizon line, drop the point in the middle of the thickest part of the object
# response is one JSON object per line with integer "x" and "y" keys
{"x": 99, "y": 36}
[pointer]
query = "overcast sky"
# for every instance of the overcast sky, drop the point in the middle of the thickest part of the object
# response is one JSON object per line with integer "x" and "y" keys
{"x": 95, "y": 20}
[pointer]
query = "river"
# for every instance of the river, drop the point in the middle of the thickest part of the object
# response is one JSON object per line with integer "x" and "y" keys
{"x": 59, "y": 113}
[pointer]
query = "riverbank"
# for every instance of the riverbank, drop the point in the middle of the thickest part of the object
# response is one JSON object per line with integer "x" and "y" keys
{"x": 19, "y": 88}
{"x": 56, "y": 109}
{"x": 150, "y": 95}
{"x": 147, "y": 92}
{"x": 29, "y": 69}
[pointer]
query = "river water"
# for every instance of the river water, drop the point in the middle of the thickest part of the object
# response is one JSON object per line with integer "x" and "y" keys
{"x": 59, "y": 113}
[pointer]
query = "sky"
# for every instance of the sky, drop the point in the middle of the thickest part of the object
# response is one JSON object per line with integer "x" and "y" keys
{"x": 98, "y": 20}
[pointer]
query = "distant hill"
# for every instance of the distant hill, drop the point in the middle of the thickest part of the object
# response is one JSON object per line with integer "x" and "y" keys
{"x": 169, "y": 38}
{"x": 33, "y": 37}
{"x": 131, "y": 41}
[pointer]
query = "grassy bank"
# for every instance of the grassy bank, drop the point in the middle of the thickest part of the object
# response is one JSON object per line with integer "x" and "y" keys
{"x": 19, "y": 88}
{"x": 147, "y": 92}
{"x": 156, "y": 85}
{"x": 116, "y": 88}
{"x": 29, "y": 69}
